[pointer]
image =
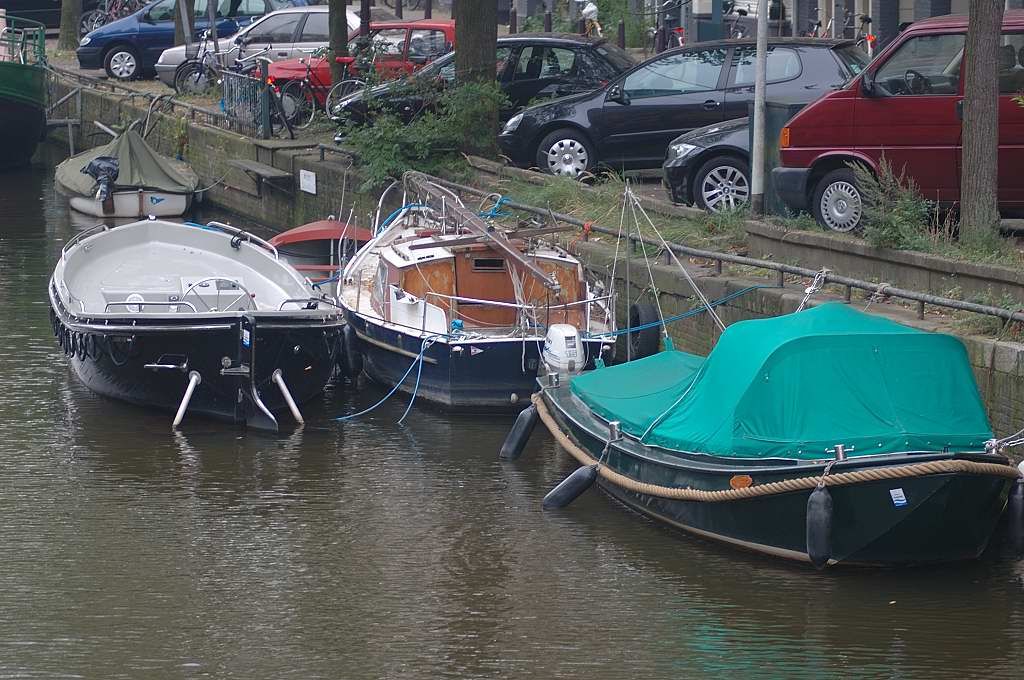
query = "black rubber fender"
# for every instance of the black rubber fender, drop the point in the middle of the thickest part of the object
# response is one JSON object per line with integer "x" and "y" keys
{"x": 644, "y": 343}
{"x": 351, "y": 357}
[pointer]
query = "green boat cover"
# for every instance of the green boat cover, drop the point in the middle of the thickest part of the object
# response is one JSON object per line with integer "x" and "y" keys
{"x": 793, "y": 386}
{"x": 139, "y": 167}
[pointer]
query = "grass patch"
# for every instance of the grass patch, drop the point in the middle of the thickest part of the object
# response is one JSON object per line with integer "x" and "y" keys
{"x": 601, "y": 203}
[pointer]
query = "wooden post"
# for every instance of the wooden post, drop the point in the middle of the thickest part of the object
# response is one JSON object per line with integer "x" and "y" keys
{"x": 547, "y": 21}
{"x": 513, "y": 23}
{"x": 428, "y": 9}
{"x": 364, "y": 18}
{"x": 398, "y": 9}
{"x": 622, "y": 34}
{"x": 581, "y": 26}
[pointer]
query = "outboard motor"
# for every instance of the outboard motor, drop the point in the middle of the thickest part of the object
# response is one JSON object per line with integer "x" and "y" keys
{"x": 103, "y": 169}
{"x": 563, "y": 349}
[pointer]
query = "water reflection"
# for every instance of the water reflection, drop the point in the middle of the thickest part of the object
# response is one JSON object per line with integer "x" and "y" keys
{"x": 369, "y": 550}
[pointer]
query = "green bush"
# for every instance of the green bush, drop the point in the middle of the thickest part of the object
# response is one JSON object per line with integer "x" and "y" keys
{"x": 453, "y": 118}
{"x": 895, "y": 213}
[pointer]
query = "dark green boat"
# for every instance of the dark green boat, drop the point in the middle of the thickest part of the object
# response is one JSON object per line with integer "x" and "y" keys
{"x": 828, "y": 435}
{"x": 22, "y": 90}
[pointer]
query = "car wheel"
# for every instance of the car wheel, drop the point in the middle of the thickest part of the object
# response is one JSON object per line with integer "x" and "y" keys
{"x": 722, "y": 183}
{"x": 122, "y": 63}
{"x": 837, "y": 203}
{"x": 565, "y": 152}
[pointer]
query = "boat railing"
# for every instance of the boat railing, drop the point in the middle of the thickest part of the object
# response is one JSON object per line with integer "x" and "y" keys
{"x": 81, "y": 235}
{"x": 22, "y": 41}
{"x": 248, "y": 236}
{"x": 139, "y": 304}
{"x": 310, "y": 302}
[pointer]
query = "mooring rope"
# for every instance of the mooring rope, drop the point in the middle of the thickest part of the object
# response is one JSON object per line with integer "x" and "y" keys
{"x": 770, "y": 488}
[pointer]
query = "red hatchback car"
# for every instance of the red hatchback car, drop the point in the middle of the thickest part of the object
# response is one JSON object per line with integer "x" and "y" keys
{"x": 906, "y": 106}
{"x": 400, "y": 47}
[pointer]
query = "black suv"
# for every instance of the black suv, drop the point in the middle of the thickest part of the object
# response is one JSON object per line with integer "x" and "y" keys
{"x": 629, "y": 123}
{"x": 530, "y": 67}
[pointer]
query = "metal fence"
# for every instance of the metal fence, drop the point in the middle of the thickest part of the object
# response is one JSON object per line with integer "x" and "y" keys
{"x": 246, "y": 103}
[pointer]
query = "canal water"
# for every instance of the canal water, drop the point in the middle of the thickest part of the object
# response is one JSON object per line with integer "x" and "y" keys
{"x": 373, "y": 550}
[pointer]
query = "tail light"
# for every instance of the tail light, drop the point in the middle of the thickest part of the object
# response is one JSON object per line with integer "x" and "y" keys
{"x": 784, "y": 138}
{"x": 871, "y": 37}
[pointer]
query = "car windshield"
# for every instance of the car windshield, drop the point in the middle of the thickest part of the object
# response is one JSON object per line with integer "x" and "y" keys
{"x": 617, "y": 57}
{"x": 853, "y": 58}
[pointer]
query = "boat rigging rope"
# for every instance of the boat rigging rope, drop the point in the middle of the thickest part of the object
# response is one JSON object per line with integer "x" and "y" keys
{"x": 418, "y": 361}
{"x": 771, "y": 488}
{"x": 820, "y": 279}
{"x": 650, "y": 273}
{"x": 672, "y": 254}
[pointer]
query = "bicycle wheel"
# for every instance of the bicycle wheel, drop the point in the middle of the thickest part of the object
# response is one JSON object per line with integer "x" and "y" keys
{"x": 299, "y": 103}
{"x": 339, "y": 92}
{"x": 91, "y": 21}
{"x": 278, "y": 116}
{"x": 195, "y": 78}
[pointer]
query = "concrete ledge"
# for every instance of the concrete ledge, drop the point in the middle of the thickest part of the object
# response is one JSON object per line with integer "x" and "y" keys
{"x": 901, "y": 268}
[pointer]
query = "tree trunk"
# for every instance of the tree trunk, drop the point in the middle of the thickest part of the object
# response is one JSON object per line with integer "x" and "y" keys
{"x": 70, "y": 17}
{"x": 476, "y": 35}
{"x": 979, "y": 208}
{"x": 181, "y": 31}
{"x": 339, "y": 38}
{"x": 476, "y": 38}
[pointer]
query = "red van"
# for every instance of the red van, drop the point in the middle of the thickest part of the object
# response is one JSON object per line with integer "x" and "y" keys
{"x": 906, "y": 106}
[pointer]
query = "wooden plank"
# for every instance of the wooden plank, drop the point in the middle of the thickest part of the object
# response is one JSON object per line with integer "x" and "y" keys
{"x": 258, "y": 169}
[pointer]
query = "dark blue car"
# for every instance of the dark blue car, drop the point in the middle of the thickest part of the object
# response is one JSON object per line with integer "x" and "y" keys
{"x": 129, "y": 47}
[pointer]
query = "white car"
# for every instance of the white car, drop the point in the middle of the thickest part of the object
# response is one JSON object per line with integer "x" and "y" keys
{"x": 287, "y": 31}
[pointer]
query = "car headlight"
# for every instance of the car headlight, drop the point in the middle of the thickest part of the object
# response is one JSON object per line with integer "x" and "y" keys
{"x": 84, "y": 41}
{"x": 681, "y": 150}
{"x": 513, "y": 123}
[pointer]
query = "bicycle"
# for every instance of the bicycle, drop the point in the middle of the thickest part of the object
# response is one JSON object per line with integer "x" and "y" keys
{"x": 303, "y": 96}
{"x": 108, "y": 11}
{"x": 198, "y": 75}
{"x": 864, "y": 37}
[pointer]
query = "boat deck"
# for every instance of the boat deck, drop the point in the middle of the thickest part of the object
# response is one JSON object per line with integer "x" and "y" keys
{"x": 165, "y": 268}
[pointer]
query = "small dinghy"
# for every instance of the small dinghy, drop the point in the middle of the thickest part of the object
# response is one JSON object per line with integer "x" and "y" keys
{"x": 827, "y": 435}
{"x": 201, "y": 319}
{"x": 465, "y": 303}
{"x": 127, "y": 178}
{"x": 319, "y": 248}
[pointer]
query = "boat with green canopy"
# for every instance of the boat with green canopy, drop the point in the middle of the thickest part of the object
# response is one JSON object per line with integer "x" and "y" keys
{"x": 827, "y": 435}
{"x": 22, "y": 89}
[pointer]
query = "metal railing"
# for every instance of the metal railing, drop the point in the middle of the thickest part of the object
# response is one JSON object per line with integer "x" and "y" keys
{"x": 22, "y": 41}
{"x": 246, "y": 102}
{"x": 780, "y": 268}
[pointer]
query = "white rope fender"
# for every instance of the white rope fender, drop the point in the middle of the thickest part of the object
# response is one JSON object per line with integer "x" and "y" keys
{"x": 771, "y": 488}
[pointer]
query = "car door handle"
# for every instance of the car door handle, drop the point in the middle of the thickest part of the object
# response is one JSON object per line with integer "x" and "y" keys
{"x": 282, "y": 54}
{"x": 711, "y": 104}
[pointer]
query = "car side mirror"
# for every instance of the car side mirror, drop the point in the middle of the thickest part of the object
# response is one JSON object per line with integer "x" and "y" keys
{"x": 867, "y": 83}
{"x": 618, "y": 95}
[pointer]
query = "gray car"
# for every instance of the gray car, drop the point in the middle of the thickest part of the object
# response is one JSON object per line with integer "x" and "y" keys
{"x": 287, "y": 31}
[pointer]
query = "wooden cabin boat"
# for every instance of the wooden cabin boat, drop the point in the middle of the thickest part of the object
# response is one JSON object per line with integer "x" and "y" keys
{"x": 204, "y": 319}
{"x": 474, "y": 304}
{"x": 319, "y": 249}
{"x": 22, "y": 89}
{"x": 828, "y": 436}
